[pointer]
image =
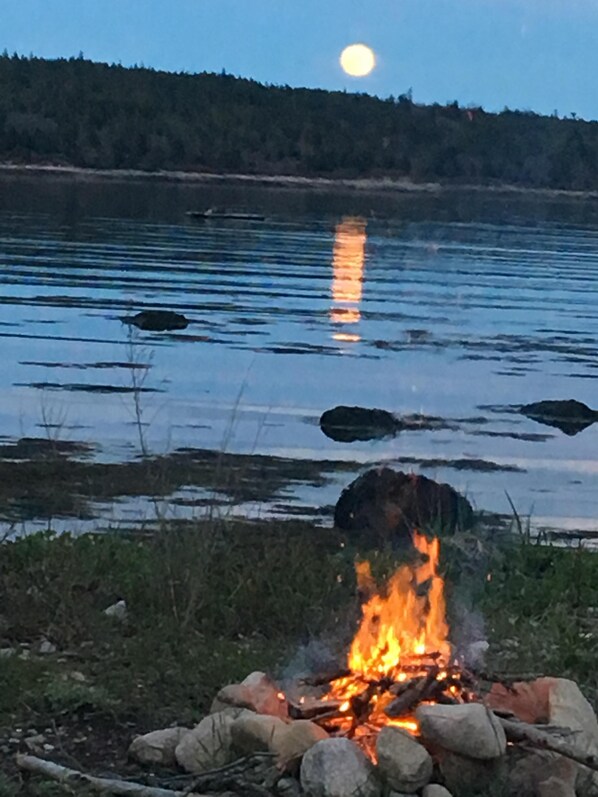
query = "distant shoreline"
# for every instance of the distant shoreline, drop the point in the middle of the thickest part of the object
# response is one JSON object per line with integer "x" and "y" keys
{"x": 364, "y": 184}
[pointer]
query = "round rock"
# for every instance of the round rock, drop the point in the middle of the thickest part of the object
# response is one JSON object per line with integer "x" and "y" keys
{"x": 403, "y": 763}
{"x": 338, "y": 768}
{"x": 471, "y": 730}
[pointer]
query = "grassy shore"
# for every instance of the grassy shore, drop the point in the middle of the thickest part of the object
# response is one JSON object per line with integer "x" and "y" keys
{"x": 211, "y": 601}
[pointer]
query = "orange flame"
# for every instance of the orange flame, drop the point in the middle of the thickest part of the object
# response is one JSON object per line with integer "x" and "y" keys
{"x": 406, "y": 622}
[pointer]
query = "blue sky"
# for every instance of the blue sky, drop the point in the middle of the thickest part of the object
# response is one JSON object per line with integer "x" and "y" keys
{"x": 530, "y": 54}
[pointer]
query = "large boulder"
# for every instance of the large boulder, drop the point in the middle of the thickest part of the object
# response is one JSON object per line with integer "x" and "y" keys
{"x": 570, "y": 416}
{"x": 384, "y": 506}
{"x": 347, "y": 424}
{"x": 338, "y": 768}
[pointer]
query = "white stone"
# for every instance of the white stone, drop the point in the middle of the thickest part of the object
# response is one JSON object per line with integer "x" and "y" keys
{"x": 471, "y": 729}
{"x": 403, "y": 762}
{"x": 435, "y": 790}
{"x": 157, "y": 747}
{"x": 338, "y": 768}
{"x": 209, "y": 744}
{"x": 46, "y": 647}
{"x": 118, "y": 611}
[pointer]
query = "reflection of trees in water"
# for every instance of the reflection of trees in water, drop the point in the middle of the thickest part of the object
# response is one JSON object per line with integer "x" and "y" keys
{"x": 348, "y": 260}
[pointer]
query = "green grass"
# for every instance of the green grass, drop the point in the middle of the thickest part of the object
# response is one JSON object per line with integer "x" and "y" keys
{"x": 213, "y": 601}
{"x": 542, "y": 610}
{"x": 207, "y": 605}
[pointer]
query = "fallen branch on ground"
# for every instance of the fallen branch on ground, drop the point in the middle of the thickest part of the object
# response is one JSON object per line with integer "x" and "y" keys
{"x": 72, "y": 777}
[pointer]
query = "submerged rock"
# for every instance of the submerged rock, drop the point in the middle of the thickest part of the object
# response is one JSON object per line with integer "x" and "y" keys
{"x": 386, "y": 505}
{"x": 569, "y": 416}
{"x": 347, "y": 424}
{"x": 157, "y": 320}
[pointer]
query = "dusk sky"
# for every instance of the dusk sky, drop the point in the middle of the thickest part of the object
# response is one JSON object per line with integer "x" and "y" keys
{"x": 540, "y": 55}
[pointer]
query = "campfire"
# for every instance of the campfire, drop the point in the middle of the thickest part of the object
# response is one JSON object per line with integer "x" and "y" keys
{"x": 400, "y": 656}
{"x": 403, "y": 713}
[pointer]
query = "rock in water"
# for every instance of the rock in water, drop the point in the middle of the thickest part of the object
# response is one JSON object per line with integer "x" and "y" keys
{"x": 338, "y": 768}
{"x": 347, "y": 424}
{"x": 471, "y": 730}
{"x": 157, "y": 320}
{"x": 403, "y": 762}
{"x": 157, "y": 747}
{"x": 385, "y": 506}
{"x": 569, "y": 416}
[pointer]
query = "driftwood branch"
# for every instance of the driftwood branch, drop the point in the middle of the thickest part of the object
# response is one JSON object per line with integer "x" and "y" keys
{"x": 531, "y": 735}
{"x": 126, "y": 788}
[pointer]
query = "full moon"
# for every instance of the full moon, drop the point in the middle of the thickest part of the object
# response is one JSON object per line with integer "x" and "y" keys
{"x": 358, "y": 60}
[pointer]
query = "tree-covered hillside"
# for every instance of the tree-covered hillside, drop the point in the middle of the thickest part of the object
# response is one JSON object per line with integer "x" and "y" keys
{"x": 88, "y": 114}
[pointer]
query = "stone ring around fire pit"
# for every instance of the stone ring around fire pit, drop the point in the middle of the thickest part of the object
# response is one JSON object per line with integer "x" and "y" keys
{"x": 464, "y": 746}
{"x": 402, "y": 713}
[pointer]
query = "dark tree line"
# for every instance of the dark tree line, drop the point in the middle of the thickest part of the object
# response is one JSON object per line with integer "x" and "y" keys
{"x": 106, "y": 116}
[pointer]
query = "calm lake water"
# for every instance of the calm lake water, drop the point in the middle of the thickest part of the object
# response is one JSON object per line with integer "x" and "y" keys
{"x": 454, "y": 306}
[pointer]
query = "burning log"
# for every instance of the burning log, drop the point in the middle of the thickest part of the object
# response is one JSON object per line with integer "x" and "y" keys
{"x": 418, "y": 690}
{"x": 326, "y": 677}
{"x": 315, "y": 709}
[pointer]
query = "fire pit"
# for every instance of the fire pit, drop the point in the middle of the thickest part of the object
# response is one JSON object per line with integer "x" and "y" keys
{"x": 404, "y": 715}
{"x": 400, "y": 656}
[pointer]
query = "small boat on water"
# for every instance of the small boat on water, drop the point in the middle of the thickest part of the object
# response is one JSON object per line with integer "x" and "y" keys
{"x": 214, "y": 213}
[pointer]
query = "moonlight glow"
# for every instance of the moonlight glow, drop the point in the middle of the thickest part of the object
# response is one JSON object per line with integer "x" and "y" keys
{"x": 358, "y": 60}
